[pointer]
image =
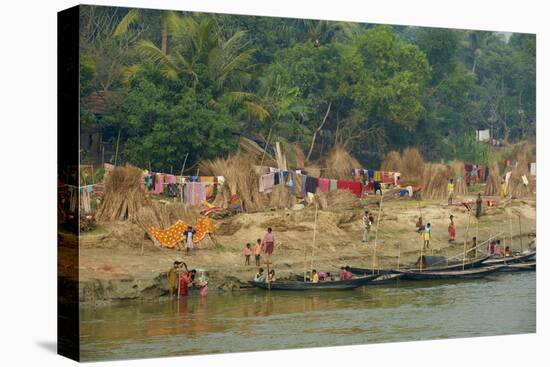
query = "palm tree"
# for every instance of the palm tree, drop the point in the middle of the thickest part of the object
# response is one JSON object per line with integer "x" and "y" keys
{"x": 197, "y": 44}
{"x": 167, "y": 20}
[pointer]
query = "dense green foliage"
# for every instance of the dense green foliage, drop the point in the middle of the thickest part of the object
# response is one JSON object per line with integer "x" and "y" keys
{"x": 187, "y": 84}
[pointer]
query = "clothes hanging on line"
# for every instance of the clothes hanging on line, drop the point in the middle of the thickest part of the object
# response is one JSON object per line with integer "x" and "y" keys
{"x": 311, "y": 184}
{"x": 333, "y": 185}
{"x": 354, "y": 187}
{"x": 194, "y": 193}
{"x": 324, "y": 185}
{"x": 266, "y": 183}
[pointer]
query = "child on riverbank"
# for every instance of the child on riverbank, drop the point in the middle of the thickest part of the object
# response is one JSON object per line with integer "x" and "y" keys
{"x": 258, "y": 251}
{"x": 247, "y": 252}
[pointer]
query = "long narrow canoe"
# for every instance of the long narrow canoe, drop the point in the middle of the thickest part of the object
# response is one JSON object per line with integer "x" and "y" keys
{"x": 456, "y": 265}
{"x": 509, "y": 259}
{"x": 525, "y": 266}
{"x": 303, "y": 286}
{"x": 386, "y": 279}
{"x": 450, "y": 274}
{"x": 366, "y": 277}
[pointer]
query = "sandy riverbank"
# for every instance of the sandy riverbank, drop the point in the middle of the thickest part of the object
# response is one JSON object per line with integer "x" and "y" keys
{"x": 112, "y": 266}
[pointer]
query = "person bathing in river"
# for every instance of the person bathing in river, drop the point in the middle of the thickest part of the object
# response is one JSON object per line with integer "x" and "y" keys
{"x": 173, "y": 278}
{"x": 260, "y": 276}
{"x": 451, "y": 229}
{"x": 427, "y": 233}
{"x": 184, "y": 281}
{"x": 258, "y": 251}
{"x": 271, "y": 276}
{"x": 247, "y": 252}
{"x": 268, "y": 243}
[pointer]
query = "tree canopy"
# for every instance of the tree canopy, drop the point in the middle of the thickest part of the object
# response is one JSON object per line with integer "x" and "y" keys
{"x": 184, "y": 85}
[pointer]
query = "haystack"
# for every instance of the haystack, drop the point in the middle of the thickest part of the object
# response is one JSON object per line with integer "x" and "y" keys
{"x": 435, "y": 180}
{"x": 337, "y": 200}
{"x": 339, "y": 163}
{"x": 524, "y": 150}
{"x": 492, "y": 185}
{"x": 163, "y": 215}
{"x": 313, "y": 170}
{"x": 392, "y": 162}
{"x": 516, "y": 186}
{"x": 458, "y": 175}
{"x": 124, "y": 195}
{"x": 412, "y": 165}
{"x": 240, "y": 178}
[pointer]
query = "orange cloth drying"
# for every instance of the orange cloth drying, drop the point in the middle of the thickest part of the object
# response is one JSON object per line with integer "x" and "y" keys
{"x": 172, "y": 235}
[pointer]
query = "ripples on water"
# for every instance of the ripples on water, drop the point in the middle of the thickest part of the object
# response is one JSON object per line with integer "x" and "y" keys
{"x": 260, "y": 320}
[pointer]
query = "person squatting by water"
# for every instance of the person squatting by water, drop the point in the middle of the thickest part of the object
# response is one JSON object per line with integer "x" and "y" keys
{"x": 247, "y": 252}
{"x": 260, "y": 276}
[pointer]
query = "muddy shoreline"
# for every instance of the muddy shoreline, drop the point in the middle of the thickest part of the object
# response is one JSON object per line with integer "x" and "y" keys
{"x": 112, "y": 267}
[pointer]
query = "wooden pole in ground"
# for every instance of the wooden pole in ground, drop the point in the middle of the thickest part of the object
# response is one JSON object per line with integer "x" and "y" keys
{"x": 466, "y": 240}
{"x": 181, "y": 174}
{"x": 520, "y": 234}
{"x": 116, "y": 150}
{"x": 313, "y": 245}
{"x": 376, "y": 233}
{"x": 511, "y": 235}
{"x": 398, "y": 254}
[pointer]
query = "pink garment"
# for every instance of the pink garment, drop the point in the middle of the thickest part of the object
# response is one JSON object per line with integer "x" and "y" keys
{"x": 170, "y": 179}
{"x": 194, "y": 193}
{"x": 204, "y": 291}
{"x": 357, "y": 174}
{"x": 324, "y": 185}
{"x": 159, "y": 184}
{"x": 268, "y": 238}
{"x": 267, "y": 182}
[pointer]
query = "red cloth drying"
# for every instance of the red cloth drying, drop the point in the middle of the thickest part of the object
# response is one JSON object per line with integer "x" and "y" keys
{"x": 354, "y": 187}
{"x": 324, "y": 185}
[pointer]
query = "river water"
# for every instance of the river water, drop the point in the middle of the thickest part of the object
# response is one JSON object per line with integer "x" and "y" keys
{"x": 503, "y": 303}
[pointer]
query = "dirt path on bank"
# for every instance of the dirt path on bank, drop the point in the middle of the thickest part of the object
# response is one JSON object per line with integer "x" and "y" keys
{"x": 111, "y": 262}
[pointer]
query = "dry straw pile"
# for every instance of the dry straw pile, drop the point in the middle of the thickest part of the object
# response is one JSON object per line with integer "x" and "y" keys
{"x": 392, "y": 162}
{"x": 458, "y": 175}
{"x": 337, "y": 200}
{"x": 492, "y": 185}
{"x": 516, "y": 187}
{"x": 240, "y": 180}
{"x": 412, "y": 165}
{"x": 124, "y": 195}
{"x": 164, "y": 214}
{"x": 338, "y": 164}
{"x": 435, "y": 180}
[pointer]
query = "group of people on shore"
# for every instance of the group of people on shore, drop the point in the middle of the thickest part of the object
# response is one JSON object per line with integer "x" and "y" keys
{"x": 265, "y": 245}
{"x": 179, "y": 281}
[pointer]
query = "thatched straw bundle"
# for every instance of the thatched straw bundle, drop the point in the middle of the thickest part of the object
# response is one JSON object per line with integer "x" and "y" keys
{"x": 458, "y": 174}
{"x": 240, "y": 178}
{"x": 523, "y": 150}
{"x": 492, "y": 185}
{"x": 337, "y": 200}
{"x": 339, "y": 163}
{"x": 412, "y": 165}
{"x": 392, "y": 162}
{"x": 516, "y": 186}
{"x": 124, "y": 195}
{"x": 313, "y": 170}
{"x": 435, "y": 180}
{"x": 163, "y": 215}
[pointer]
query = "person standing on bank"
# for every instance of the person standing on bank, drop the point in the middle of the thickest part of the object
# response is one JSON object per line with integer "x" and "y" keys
{"x": 450, "y": 191}
{"x": 367, "y": 223}
{"x": 268, "y": 243}
{"x": 188, "y": 239}
{"x": 479, "y": 202}
{"x": 427, "y": 232}
{"x": 451, "y": 229}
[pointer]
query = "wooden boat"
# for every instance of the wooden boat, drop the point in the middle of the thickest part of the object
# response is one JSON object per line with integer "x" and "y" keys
{"x": 455, "y": 265}
{"x": 300, "y": 277}
{"x": 386, "y": 279}
{"x": 524, "y": 266}
{"x": 449, "y": 274}
{"x": 503, "y": 260}
{"x": 303, "y": 286}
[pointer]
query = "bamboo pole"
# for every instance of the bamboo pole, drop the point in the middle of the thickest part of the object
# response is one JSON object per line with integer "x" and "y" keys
{"x": 116, "y": 151}
{"x": 511, "y": 233}
{"x": 520, "y": 234}
{"x": 466, "y": 239}
{"x": 398, "y": 254}
{"x": 313, "y": 245}
{"x": 376, "y": 233}
{"x": 181, "y": 174}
